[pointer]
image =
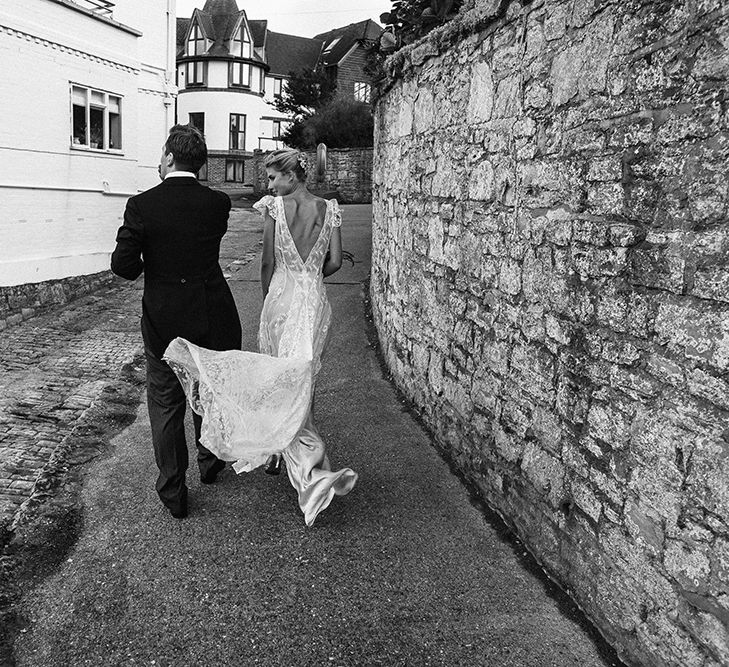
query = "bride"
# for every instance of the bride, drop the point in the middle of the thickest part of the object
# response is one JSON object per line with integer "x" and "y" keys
{"x": 257, "y": 408}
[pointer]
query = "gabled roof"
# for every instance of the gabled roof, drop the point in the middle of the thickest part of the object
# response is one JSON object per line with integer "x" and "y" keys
{"x": 284, "y": 53}
{"x": 218, "y": 19}
{"x": 289, "y": 53}
{"x": 182, "y": 26}
{"x": 206, "y": 22}
{"x": 338, "y": 42}
{"x": 258, "y": 31}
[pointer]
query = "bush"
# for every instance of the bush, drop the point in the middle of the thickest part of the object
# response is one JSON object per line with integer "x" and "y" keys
{"x": 340, "y": 123}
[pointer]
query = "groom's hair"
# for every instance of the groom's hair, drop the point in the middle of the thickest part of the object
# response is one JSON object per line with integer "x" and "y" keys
{"x": 187, "y": 145}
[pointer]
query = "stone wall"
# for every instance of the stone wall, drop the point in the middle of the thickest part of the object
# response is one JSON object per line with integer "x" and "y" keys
{"x": 348, "y": 173}
{"x": 550, "y": 286}
{"x": 21, "y": 302}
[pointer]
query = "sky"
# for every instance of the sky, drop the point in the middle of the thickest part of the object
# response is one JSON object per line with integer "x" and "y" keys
{"x": 306, "y": 19}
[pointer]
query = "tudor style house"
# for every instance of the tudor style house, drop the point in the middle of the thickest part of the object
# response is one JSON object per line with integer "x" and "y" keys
{"x": 344, "y": 58}
{"x": 229, "y": 70}
{"x": 88, "y": 96}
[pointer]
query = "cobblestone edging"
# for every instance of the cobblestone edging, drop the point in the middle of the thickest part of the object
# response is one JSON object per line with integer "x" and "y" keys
{"x": 21, "y": 302}
{"x": 550, "y": 282}
{"x": 54, "y": 367}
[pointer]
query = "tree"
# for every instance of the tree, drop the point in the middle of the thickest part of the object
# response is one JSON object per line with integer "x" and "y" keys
{"x": 339, "y": 124}
{"x": 304, "y": 92}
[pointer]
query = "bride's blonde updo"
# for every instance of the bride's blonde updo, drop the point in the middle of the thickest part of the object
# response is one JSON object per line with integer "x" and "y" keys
{"x": 288, "y": 160}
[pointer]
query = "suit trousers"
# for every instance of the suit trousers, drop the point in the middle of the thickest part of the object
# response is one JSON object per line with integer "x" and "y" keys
{"x": 166, "y": 402}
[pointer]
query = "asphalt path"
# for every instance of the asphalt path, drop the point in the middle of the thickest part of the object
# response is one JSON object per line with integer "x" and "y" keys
{"x": 405, "y": 570}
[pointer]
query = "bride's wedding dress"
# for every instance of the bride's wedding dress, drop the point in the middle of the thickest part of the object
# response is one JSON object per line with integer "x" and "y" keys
{"x": 257, "y": 404}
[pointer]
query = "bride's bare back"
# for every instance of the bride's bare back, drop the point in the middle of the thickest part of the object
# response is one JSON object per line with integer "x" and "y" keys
{"x": 305, "y": 219}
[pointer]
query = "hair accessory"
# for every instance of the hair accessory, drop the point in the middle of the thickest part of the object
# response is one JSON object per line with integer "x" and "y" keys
{"x": 303, "y": 163}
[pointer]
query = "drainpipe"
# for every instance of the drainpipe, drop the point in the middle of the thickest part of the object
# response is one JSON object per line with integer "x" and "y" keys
{"x": 170, "y": 65}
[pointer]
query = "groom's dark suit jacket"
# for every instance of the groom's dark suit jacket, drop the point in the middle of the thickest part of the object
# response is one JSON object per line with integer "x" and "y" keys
{"x": 172, "y": 233}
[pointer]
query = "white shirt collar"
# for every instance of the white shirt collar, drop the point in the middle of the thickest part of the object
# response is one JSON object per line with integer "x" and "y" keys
{"x": 175, "y": 174}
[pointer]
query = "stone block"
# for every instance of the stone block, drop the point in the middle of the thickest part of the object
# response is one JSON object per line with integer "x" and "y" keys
{"x": 481, "y": 94}
{"x": 625, "y": 235}
{"x": 508, "y": 445}
{"x": 545, "y": 472}
{"x": 555, "y": 23}
{"x": 547, "y": 429}
{"x": 606, "y": 198}
{"x": 609, "y": 424}
{"x": 645, "y": 527}
{"x": 586, "y": 499}
{"x": 659, "y": 262}
{"x": 708, "y": 386}
{"x": 689, "y": 564}
{"x": 481, "y": 182}
{"x": 696, "y": 331}
{"x": 510, "y": 277}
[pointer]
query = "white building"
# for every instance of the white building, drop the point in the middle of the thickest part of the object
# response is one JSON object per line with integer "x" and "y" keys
{"x": 228, "y": 70}
{"x": 88, "y": 96}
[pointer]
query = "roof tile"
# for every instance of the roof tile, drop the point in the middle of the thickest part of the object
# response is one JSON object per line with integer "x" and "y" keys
{"x": 290, "y": 53}
{"x": 348, "y": 36}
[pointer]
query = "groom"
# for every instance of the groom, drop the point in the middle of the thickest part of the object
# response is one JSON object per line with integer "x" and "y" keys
{"x": 172, "y": 233}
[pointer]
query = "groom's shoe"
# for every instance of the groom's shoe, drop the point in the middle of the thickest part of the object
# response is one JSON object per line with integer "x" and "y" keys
{"x": 211, "y": 474}
{"x": 179, "y": 512}
{"x": 178, "y": 509}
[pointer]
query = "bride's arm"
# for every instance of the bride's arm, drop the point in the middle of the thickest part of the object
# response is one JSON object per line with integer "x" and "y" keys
{"x": 267, "y": 257}
{"x": 333, "y": 260}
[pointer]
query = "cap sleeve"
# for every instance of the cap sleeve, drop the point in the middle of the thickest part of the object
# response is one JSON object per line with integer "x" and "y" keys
{"x": 266, "y": 204}
{"x": 336, "y": 213}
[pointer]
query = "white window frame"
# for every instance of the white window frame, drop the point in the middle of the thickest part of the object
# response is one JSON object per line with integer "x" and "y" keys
{"x": 277, "y": 83}
{"x": 362, "y": 91}
{"x": 240, "y": 45}
{"x": 105, "y": 106}
{"x": 237, "y": 132}
{"x": 195, "y": 38}
{"x": 234, "y": 166}
{"x": 196, "y": 66}
{"x": 243, "y": 70}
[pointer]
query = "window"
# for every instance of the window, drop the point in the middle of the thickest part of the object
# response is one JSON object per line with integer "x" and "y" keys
{"x": 362, "y": 91}
{"x": 197, "y": 120}
{"x": 277, "y": 83}
{"x": 95, "y": 119}
{"x": 196, "y": 42}
{"x": 241, "y": 44}
{"x": 239, "y": 74}
{"x": 234, "y": 171}
{"x": 237, "y": 131}
{"x": 331, "y": 45}
{"x": 100, "y": 7}
{"x": 202, "y": 175}
{"x": 195, "y": 73}
{"x": 276, "y": 132}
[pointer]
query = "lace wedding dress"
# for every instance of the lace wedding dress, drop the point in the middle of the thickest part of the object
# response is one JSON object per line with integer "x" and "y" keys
{"x": 257, "y": 404}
